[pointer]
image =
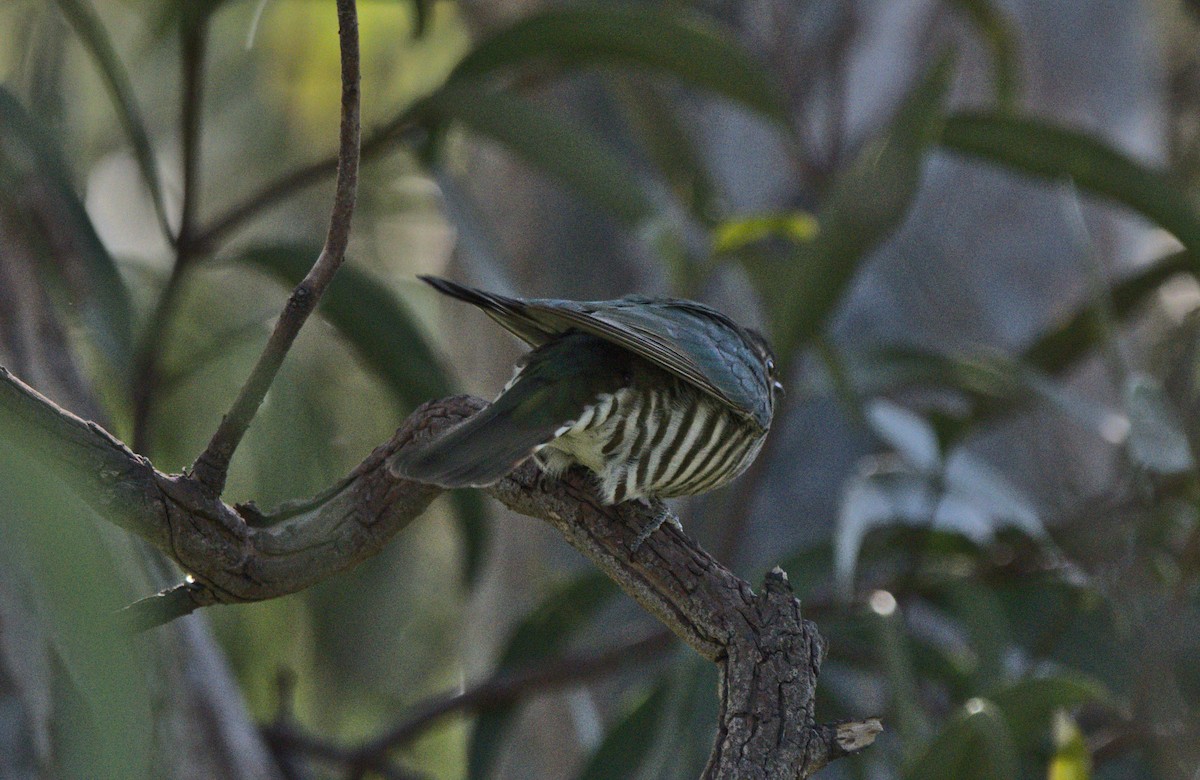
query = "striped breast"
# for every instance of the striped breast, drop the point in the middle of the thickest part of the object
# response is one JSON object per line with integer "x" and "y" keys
{"x": 656, "y": 442}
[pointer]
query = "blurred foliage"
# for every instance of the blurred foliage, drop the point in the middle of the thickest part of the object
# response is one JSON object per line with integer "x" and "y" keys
{"x": 995, "y": 638}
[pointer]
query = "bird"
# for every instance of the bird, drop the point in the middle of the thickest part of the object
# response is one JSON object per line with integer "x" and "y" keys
{"x": 657, "y": 397}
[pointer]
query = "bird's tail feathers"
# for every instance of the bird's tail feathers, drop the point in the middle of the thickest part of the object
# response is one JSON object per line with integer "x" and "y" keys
{"x": 477, "y": 453}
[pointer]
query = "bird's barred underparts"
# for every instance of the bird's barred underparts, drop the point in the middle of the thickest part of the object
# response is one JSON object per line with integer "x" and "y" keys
{"x": 657, "y": 443}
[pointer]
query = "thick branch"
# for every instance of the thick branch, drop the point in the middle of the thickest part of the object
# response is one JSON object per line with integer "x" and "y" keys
{"x": 768, "y": 655}
{"x": 212, "y": 466}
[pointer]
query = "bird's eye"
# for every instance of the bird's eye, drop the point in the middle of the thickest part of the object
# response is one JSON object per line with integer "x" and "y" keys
{"x": 771, "y": 365}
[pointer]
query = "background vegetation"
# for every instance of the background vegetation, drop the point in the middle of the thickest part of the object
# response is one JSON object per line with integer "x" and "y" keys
{"x": 969, "y": 227}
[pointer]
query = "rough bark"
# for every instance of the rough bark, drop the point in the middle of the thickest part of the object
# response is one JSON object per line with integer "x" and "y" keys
{"x": 768, "y": 654}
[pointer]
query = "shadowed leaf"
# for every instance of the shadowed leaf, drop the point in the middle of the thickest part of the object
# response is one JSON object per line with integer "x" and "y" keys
{"x": 628, "y": 742}
{"x": 1049, "y": 151}
{"x": 96, "y": 40}
{"x": 672, "y": 40}
{"x": 35, "y": 185}
{"x": 559, "y": 147}
{"x": 383, "y": 334}
{"x": 541, "y": 635}
{"x": 869, "y": 200}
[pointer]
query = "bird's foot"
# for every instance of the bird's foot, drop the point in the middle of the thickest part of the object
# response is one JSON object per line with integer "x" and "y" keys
{"x": 662, "y": 515}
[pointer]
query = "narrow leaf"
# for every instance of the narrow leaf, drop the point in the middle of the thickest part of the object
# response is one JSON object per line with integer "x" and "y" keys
{"x": 369, "y": 317}
{"x": 1071, "y": 760}
{"x": 1030, "y": 704}
{"x": 543, "y": 634}
{"x": 35, "y": 184}
{"x": 733, "y": 234}
{"x": 670, "y": 39}
{"x": 559, "y": 147}
{"x": 998, "y": 34}
{"x": 867, "y": 203}
{"x": 975, "y": 743}
{"x": 1062, "y": 346}
{"x": 627, "y": 743}
{"x": 96, "y": 40}
{"x": 1049, "y": 151}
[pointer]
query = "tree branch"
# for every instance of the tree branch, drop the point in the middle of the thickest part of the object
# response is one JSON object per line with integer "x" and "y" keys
{"x": 769, "y": 656}
{"x": 498, "y": 691}
{"x": 212, "y": 466}
{"x": 145, "y": 379}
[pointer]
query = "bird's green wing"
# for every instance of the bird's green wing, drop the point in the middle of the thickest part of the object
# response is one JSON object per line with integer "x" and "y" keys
{"x": 688, "y": 339}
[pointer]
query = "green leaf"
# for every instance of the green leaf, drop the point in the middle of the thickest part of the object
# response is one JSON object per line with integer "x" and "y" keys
{"x": 649, "y": 112}
{"x": 95, "y": 39}
{"x": 868, "y": 202}
{"x": 1029, "y": 705}
{"x": 541, "y": 635}
{"x": 998, "y": 34}
{"x": 1071, "y": 760}
{"x": 981, "y": 613}
{"x": 795, "y": 226}
{"x": 896, "y": 661}
{"x": 472, "y": 517}
{"x": 72, "y": 574}
{"x": 559, "y": 147}
{"x": 976, "y": 743}
{"x": 35, "y": 185}
{"x": 1057, "y": 349}
{"x": 669, "y": 39}
{"x": 369, "y": 316}
{"x": 627, "y": 743}
{"x": 689, "y": 720}
{"x": 1049, "y": 151}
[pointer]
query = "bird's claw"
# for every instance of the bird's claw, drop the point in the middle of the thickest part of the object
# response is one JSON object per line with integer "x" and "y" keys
{"x": 664, "y": 515}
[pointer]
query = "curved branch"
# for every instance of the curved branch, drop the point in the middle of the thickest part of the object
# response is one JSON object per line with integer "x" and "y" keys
{"x": 768, "y": 655}
{"x": 212, "y": 466}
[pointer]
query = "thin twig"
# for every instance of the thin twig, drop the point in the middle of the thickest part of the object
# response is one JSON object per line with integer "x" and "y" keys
{"x": 212, "y": 466}
{"x": 402, "y": 128}
{"x": 145, "y": 377}
{"x": 286, "y": 740}
{"x": 507, "y": 688}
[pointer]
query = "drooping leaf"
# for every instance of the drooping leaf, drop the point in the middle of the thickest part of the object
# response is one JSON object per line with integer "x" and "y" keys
{"x": 472, "y": 518}
{"x": 895, "y": 655}
{"x": 103, "y": 712}
{"x": 668, "y": 143}
{"x": 559, "y": 147}
{"x": 627, "y": 743}
{"x": 1045, "y": 150}
{"x": 867, "y": 203}
{"x": 541, "y": 635}
{"x": 1071, "y": 759}
{"x": 997, "y": 32}
{"x": 35, "y": 185}
{"x": 96, "y": 40}
{"x": 1060, "y": 347}
{"x": 689, "y": 720}
{"x": 669, "y": 39}
{"x": 981, "y": 613}
{"x": 1029, "y": 705}
{"x": 975, "y": 743}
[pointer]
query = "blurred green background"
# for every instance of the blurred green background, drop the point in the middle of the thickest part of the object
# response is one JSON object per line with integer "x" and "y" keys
{"x": 970, "y": 228}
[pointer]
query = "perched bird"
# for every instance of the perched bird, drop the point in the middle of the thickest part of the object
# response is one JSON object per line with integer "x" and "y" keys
{"x": 658, "y": 397}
